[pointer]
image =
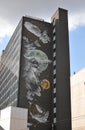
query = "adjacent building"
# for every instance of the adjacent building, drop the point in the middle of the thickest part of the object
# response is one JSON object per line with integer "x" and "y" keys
{"x": 35, "y": 72}
{"x": 78, "y": 100}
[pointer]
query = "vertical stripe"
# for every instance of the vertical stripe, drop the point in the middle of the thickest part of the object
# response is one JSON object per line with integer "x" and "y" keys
{"x": 54, "y": 73}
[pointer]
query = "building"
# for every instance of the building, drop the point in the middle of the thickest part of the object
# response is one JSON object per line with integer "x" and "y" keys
{"x": 13, "y": 118}
{"x": 0, "y": 58}
{"x": 35, "y": 72}
{"x": 78, "y": 100}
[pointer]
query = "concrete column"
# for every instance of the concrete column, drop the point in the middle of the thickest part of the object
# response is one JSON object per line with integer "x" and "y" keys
{"x": 63, "y": 111}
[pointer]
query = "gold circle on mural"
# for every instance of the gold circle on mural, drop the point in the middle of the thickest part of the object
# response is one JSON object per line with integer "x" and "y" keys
{"x": 45, "y": 84}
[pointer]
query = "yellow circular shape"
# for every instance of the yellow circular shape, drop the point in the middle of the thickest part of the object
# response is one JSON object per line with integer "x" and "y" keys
{"x": 45, "y": 84}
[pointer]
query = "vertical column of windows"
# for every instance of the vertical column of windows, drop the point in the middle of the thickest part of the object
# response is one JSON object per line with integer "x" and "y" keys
{"x": 54, "y": 74}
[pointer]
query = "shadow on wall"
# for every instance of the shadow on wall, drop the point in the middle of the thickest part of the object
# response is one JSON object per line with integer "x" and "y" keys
{"x": 1, "y": 128}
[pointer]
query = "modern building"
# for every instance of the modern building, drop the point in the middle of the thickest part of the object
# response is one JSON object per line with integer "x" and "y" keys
{"x": 78, "y": 100}
{"x": 35, "y": 73}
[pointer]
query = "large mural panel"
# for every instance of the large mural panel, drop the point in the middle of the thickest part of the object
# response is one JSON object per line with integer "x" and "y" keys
{"x": 36, "y": 73}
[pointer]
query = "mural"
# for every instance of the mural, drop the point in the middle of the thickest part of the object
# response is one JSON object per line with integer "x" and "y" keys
{"x": 36, "y": 31}
{"x": 36, "y": 62}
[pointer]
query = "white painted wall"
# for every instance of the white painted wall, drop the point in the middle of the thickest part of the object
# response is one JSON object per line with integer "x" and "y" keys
{"x": 14, "y": 118}
{"x": 78, "y": 100}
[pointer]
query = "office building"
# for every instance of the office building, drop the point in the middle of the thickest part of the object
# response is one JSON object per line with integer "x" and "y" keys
{"x": 35, "y": 72}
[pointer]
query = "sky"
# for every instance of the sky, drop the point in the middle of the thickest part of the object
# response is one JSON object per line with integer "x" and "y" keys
{"x": 11, "y": 12}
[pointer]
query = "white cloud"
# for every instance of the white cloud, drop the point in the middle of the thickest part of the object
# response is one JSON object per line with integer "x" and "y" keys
{"x": 6, "y": 29}
{"x": 11, "y": 12}
{"x": 76, "y": 20}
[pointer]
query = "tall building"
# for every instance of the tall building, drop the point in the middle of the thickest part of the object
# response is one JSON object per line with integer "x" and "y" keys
{"x": 35, "y": 74}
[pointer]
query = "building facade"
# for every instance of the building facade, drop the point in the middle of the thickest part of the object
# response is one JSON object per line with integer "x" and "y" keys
{"x": 35, "y": 72}
{"x": 78, "y": 100}
{"x": 13, "y": 118}
{"x": 9, "y": 70}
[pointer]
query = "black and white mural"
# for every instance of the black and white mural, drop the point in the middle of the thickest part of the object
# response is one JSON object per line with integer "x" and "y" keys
{"x": 36, "y": 69}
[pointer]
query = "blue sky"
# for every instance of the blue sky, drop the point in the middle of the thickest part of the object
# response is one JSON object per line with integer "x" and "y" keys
{"x": 4, "y": 42}
{"x": 10, "y": 15}
{"x": 77, "y": 49}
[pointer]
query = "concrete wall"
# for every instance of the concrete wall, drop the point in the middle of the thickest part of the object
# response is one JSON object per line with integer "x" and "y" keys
{"x": 78, "y": 100}
{"x": 13, "y": 118}
{"x": 62, "y": 67}
{"x": 5, "y": 118}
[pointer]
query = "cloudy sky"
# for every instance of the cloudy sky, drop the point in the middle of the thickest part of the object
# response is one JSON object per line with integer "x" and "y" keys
{"x": 11, "y": 12}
